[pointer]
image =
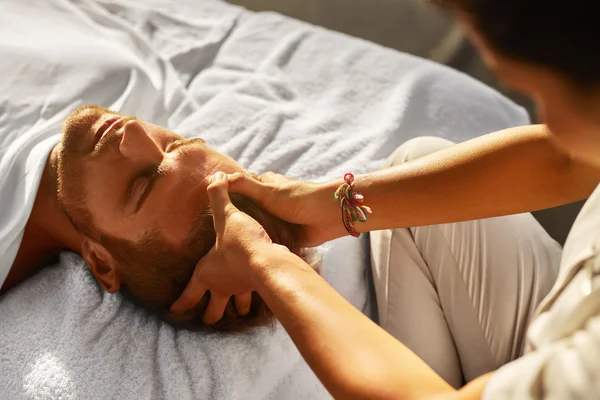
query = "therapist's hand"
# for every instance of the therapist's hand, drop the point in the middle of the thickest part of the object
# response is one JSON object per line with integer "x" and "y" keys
{"x": 225, "y": 271}
{"x": 308, "y": 204}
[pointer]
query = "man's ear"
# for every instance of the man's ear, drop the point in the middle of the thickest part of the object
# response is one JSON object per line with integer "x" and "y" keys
{"x": 103, "y": 265}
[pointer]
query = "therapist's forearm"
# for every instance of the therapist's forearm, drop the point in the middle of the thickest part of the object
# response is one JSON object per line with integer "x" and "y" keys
{"x": 506, "y": 172}
{"x": 352, "y": 356}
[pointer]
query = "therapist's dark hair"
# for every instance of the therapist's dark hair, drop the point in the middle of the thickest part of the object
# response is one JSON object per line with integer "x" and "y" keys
{"x": 560, "y": 35}
{"x": 155, "y": 274}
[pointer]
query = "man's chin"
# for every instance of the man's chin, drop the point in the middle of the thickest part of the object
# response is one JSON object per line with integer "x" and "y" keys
{"x": 77, "y": 132}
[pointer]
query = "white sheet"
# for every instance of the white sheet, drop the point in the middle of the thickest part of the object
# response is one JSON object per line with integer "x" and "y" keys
{"x": 275, "y": 94}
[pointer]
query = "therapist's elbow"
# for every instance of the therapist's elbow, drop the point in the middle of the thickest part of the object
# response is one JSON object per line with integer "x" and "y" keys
{"x": 373, "y": 386}
{"x": 362, "y": 384}
{"x": 367, "y": 392}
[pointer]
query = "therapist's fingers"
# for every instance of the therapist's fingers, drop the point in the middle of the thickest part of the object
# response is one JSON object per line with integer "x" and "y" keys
{"x": 243, "y": 303}
{"x": 195, "y": 289}
{"x": 215, "y": 310}
{"x": 273, "y": 177}
{"x": 247, "y": 185}
{"x": 220, "y": 203}
{"x": 191, "y": 296}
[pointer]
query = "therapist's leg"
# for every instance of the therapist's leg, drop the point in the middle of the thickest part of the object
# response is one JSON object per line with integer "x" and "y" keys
{"x": 461, "y": 295}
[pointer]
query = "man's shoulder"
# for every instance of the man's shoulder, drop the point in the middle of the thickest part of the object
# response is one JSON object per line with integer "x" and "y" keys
{"x": 22, "y": 164}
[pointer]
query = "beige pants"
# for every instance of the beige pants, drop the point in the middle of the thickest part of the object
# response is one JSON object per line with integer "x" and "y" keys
{"x": 461, "y": 295}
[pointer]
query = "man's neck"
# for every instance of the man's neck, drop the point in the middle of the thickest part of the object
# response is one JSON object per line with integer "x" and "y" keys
{"x": 47, "y": 216}
{"x": 48, "y": 230}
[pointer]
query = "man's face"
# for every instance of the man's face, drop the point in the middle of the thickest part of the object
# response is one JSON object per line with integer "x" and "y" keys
{"x": 133, "y": 177}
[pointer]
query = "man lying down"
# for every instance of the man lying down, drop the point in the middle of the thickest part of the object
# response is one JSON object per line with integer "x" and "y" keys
{"x": 130, "y": 197}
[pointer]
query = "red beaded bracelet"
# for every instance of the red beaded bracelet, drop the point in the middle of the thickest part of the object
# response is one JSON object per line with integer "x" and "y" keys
{"x": 351, "y": 203}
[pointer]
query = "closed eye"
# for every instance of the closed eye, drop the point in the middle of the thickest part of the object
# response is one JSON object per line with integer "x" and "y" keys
{"x": 142, "y": 186}
{"x": 137, "y": 187}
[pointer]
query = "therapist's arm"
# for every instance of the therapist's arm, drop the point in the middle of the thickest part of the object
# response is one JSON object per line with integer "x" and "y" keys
{"x": 510, "y": 171}
{"x": 351, "y": 355}
{"x": 507, "y": 172}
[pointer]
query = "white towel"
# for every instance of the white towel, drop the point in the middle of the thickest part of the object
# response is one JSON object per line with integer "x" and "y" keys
{"x": 275, "y": 94}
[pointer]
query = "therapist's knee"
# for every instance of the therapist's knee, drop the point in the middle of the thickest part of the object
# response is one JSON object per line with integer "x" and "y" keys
{"x": 417, "y": 147}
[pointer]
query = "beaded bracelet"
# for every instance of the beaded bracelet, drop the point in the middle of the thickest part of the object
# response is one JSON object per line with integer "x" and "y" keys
{"x": 351, "y": 203}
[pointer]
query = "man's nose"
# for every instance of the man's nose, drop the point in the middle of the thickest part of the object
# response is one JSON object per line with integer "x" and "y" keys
{"x": 137, "y": 145}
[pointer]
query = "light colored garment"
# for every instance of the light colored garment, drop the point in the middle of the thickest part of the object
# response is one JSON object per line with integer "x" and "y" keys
{"x": 273, "y": 93}
{"x": 461, "y": 295}
{"x": 562, "y": 358}
{"x": 22, "y": 163}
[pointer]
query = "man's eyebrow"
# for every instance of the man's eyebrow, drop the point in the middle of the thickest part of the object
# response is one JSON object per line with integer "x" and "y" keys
{"x": 188, "y": 142}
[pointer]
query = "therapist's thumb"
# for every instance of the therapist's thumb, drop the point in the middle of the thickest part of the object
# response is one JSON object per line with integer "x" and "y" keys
{"x": 248, "y": 186}
{"x": 220, "y": 202}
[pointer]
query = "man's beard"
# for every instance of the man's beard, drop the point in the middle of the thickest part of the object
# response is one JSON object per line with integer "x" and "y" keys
{"x": 71, "y": 165}
{"x": 76, "y": 132}
{"x": 76, "y": 150}
{"x": 71, "y": 191}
